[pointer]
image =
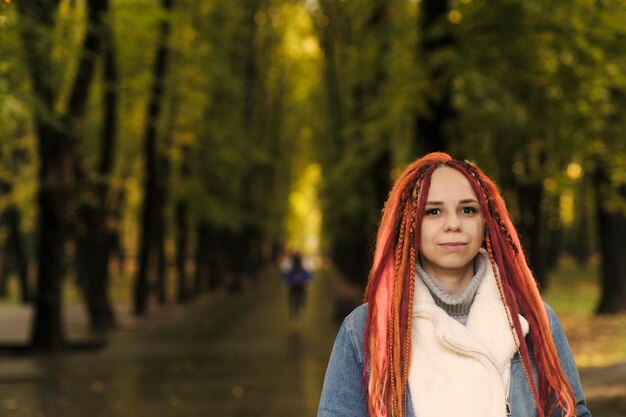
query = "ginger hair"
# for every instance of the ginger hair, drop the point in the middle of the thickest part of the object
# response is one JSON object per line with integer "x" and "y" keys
{"x": 390, "y": 290}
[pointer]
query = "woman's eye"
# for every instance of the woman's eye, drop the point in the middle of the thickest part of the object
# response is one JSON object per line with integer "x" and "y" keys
{"x": 469, "y": 210}
{"x": 432, "y": 212}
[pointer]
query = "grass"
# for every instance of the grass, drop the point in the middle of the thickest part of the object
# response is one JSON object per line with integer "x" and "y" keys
{"x": 574, "y": 292}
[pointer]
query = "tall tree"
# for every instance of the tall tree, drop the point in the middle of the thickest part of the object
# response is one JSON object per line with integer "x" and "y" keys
{"x": 56, "y": 134}
{"x": 436, "y": 41}
{"x": 519, "y": 93}
{"x": 182, "y": 232}
{"x": 357, "y": 157}
{"x": 611, "y": 227}
{"x": 148, "y": 245}
{"x": 55, "y": 165}
{"x": 607, "y": 154}
{"x": 239, "y": 158}
{"x": 162, "y": 194}
{"x": 94, "y": 183}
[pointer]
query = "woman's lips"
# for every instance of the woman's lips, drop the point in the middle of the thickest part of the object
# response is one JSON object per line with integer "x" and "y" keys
{"x": 453, "y": 246}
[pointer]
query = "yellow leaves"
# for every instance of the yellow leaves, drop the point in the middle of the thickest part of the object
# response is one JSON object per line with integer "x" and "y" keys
{"x": 566, "y": 207}
{"x": 574, "y": 170}
{"x": 305, "y": 218}
{"x": 519, "y": 168}
{"x": 237, "y": 391}
{"x": 188, "y": 35}
{"x": 299, "y": 41}
{"x": 174, "y": 400}
{"x": 550, "y": 62}
{"x": 597, "y": 340}
{"x": 321, "y": 20}
{"x": 260, "y": 18}
{"x": 311, "y": 46}
{"x": 554, "y": 92}
{"x": 455, "y": 16}
{"x": 550, "y": 184}
{"x": 9, "y": 404}
{"x": 612, "y": 69}
{"x": 97, "y": 386}
{"x": 567, "y": 58}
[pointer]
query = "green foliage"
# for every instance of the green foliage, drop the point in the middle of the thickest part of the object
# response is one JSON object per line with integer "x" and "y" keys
{"x": 238, "y": 73}
{"x": 17, "y": 156}
{"x": 260, "y": 91}
{"x": 536, "y": 78}
{"x": 371, "y": 80}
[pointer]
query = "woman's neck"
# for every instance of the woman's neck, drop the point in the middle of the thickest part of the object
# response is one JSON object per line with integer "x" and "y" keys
{"x": 451, "y": 281}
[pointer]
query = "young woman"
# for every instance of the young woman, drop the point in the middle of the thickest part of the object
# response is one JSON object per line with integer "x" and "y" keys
{"x": 453, "y": 322}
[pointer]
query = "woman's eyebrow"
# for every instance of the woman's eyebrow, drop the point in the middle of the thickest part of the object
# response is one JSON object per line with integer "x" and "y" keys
{"x": 464, "y": 201}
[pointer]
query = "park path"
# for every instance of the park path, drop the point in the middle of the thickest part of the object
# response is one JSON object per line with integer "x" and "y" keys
{"x": 223, "y": 355}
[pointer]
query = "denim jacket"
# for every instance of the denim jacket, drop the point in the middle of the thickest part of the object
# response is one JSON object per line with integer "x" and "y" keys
{"x": 343, "y": 395}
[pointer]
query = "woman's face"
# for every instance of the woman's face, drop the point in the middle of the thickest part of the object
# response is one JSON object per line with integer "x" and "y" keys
{"x": 453, "y": 226}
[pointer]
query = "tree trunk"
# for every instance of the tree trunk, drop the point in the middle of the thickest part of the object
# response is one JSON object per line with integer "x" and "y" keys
{"x": 147, "y": 244}
{"x": 4, "y": 272}
{"x": 182, "y": 231}
{"x": 182, "y": 238}
{"x": 91, "y": 235}
{"x": 429, "y": 127}
{"x": 115, "y": 240}
{"x": 54, "y": 174}
{"x": 53, "y": 201}
{"x": 203, "y": 267}
{"x": 92, "y": 263}
{"x": 160, "y": 226}
{"x": 351, "y": 251}
{"x": 161, "y": 273}
{"x": 582, "y": 241}
{"x": 531, "y": 227}
{"x": 611, "y": 229}
{"x": 553, "y": 232}
{"x": 162, "y": 197}
{"x": 334, "y": 102}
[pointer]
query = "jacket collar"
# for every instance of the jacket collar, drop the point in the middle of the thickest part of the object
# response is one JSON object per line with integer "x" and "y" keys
{"x": 487, "y": 330}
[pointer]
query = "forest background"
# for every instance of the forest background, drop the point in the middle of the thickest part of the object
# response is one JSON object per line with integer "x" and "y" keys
{"x": 165, "y": 149}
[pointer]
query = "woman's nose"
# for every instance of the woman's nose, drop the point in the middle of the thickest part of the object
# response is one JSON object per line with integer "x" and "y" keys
{"x": 452, "y": 222}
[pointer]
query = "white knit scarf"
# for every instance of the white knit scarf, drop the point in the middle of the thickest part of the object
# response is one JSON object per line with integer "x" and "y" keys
{"x": 456, "y": 369}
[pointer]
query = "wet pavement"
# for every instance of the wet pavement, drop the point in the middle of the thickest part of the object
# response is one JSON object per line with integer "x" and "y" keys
{"x": 223, "y": 355}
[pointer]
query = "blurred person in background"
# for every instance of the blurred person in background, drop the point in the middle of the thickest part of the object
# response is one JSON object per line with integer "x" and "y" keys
{"x": 296, "y": 278}
{"x": 453, "y": 322}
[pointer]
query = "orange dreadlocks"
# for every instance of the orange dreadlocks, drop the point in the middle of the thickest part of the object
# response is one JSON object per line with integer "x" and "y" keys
{"x": 390, "y": 289}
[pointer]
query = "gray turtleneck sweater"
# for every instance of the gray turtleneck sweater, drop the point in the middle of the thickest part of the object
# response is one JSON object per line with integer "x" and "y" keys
{"x": 457, "y": 306}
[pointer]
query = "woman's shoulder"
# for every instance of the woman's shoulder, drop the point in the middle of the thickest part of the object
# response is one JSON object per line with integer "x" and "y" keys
{"x": 558, "y": 334}
{"x": 552, "y": 317}
{"x": 352, "y": 331}
{"x": 357, "y": 317}
{"x": 354, "y": 323}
